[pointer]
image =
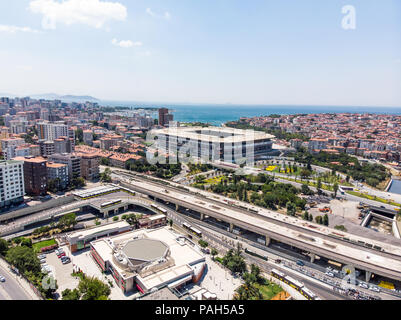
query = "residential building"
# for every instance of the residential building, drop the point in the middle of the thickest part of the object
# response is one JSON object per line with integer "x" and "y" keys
{"x": 35, "y": 175}
{"x": 12, "y": 188}
{"x": 90, "y": 166}
{"x": 72, "y": 161}
{"x": 59, "y": 172}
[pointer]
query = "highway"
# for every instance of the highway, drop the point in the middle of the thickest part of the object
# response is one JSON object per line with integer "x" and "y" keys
{"x": 283, "y": 228}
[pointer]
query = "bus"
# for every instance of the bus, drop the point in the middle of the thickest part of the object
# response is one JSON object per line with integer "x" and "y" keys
{"x": 299, "y": 286}
{"x": 196, "y": 232}
{"x": 192, "y": 230}
{"x": 110, "y": 203}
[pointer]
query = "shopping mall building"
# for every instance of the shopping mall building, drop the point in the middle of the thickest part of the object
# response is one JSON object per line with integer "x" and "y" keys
{"x": 148, "y": 259}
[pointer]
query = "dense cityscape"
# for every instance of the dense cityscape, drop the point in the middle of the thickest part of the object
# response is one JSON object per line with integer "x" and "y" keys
{"x": 77, "y": 176}
{"x": 199, "y": 159}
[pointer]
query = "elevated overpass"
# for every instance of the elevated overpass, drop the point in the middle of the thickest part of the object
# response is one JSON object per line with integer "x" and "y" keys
{"x": 95, "y": 201}
{"x": 363, "y": 253}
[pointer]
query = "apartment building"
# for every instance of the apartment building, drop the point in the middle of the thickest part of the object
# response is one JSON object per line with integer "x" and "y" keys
{"x": 58, "y": 171}
{"x": 72, "y": 161}
{"x": 12, "y": 188}
{"x": 9, "y": 145}
{"x": 90, "y": 166}
{"x": 35, "y": 175}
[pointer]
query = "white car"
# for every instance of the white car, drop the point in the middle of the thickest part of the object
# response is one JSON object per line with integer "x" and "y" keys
{"x": 374, "y": 288}
{"x": 2, "y": 279}
{"x": 363, "y": 285}
{"x": 330, "y": 274}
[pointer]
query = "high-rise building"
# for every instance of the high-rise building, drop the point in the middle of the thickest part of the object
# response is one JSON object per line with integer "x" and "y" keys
{"x": 12, "y": 188}
{"x": 51, "y": 131}
{"x": 35, "y": 175}
{"x": 165, "y": 117}
{"x": 58, "y": 172}
{"x": 90, "y": 166}
{"x": 9, "y": 145}
{"x": 72, "y": 161}
{"x": 64, "y": 145}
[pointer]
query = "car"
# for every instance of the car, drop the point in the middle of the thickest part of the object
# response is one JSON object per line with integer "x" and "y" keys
{"x": 363, "y": 285}
{"x": 61, "y": 255}
{"x": 374, "y": 288}
{"x": 2, "y": 279}
{"x": 300, "y": 263}
{"x": 42, "y": 256}
{"x": 43, "y": 261}
{"x": 330, "y": 274}
{"x": 66, "y": 261}
{"x": 278, "y": 261}
{"x": 65, "y": 258}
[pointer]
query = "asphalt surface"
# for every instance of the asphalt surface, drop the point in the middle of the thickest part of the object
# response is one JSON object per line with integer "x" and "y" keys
{"x": 11, "y": 289}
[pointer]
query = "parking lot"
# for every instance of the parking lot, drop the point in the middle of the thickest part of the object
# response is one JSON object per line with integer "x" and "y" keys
{"x": 84, "y": 261}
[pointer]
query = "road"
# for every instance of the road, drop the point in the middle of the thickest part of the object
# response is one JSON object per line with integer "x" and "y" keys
{"x": 213, "y": 238}
{"x": 11, "y": 289}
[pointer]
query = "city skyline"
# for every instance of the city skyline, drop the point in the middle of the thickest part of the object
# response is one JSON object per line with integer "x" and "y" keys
{"x": 263, "y": 53}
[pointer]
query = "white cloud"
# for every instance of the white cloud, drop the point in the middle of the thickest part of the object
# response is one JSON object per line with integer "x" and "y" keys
{"x": 166, "y": 15}
{"x": 15, "y": 29}
{"x": 94, "y": 13}
{"x": 126, "y": 43}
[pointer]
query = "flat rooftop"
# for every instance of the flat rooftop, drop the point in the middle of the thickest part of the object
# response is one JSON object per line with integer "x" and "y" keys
{"x": 145, "y": 249}
{"x": 184, "y": 254}
{"x": 88, "y": 232}
{"x": 214, "y": 134}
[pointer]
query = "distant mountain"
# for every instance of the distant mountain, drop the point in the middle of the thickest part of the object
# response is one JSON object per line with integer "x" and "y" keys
{"x": 67, "y": 98}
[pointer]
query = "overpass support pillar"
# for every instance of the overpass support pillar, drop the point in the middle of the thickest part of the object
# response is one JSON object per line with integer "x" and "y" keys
{"x": 177, "y": 207}
{"x": 267, "y": 241}
{"x": 312, "y": 257}
{"x": 368, "y": 275}
{"x": 231, "y": 227}
{"x": 202, "y": 216}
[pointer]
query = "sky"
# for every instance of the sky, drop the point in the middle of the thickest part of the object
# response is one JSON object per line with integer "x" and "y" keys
{"x": 209, "y": 51}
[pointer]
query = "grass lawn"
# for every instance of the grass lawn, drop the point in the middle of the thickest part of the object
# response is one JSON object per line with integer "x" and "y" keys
{"x": 39, "y": 245}
{"x": 268, "y": 290}
{"x": 215, "y": 180}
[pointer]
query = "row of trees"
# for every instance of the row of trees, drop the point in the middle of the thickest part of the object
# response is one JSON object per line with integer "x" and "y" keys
{"x": 370, "y": 173}
{"x": 22, "y": 256}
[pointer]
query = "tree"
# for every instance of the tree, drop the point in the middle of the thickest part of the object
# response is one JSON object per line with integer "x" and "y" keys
{"x": 318, "y": 219}
{"x": 3, "y": 246}
{"x": 335, "y": 188}
{"x": 291, "y": 208}
{"x": 306, "y": 190}
{"x": 305, "y": 173}
{"x": 105, "y": 176}
{"x": 24, "y": 259}
{"x": 68, "y": 294}
{"x": 79, "y": 182}
{"x": 214, "y": 253}
{"x": 170, "y": 222}
{"x": 27, "y": 242}
{"x": 325, "y": 220}
{"x": 67, "y": 221}
{"x": 93, "y": 289}
{"x": 248, "y": 291}
{"x": 319, "y": 185}
{"x": 203, "y": 243}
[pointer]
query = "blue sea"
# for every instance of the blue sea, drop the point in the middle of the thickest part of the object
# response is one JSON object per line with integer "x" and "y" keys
{"x": 219, "y": 114}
